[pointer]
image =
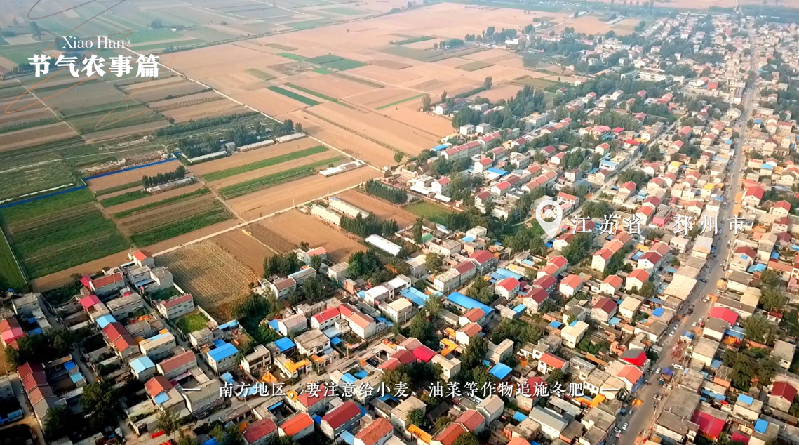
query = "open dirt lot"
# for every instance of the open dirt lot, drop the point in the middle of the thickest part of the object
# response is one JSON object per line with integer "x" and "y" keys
{"x": 342, "y": 139}
{"x": 217, "y": 279}
{"x": 379, "y": 207}
{"x": 130, "y": 176}
{"x": 283, "y": 196}
{"x": 245, "y": 248}
{"x": 35, "y": 136}
{"x": 393, "y": 133}
{"x": 315, "y": 232}
{"x": 251, "y": 156}
{"x": 333, "y": 86}
{"x": 498, "y": 92}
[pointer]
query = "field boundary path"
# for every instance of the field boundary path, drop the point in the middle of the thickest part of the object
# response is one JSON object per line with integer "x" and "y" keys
{"x": 57, "y": 116}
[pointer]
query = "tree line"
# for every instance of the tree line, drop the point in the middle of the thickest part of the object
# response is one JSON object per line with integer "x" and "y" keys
{"x": 371, "y": 225}
{"x": 390, "y": 194}
{"x": 162, "y": 178}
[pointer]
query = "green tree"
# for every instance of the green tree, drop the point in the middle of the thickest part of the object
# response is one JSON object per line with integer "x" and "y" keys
{"x": 433, "y": 261}
{"x": 168, "y": 422}
{"x": 467, "y": 438}
{"x": 99, "y": 402}
{"x": 481, "y": 290}
{"x": 773, "y": 299}
{"x": 398, "y": 155}
{"x": 417, "y": 231}
{"x": 416, "y": 417}
{"x": 427, "y": 102}
{"x": 487, "y": 83}
{"x": 770, "y": 278}
{"x": 578, "y": 249}
{"x": 59, "y": 422}
{"x": 647, "y": 289}
{"x": 758, "y": 329}
{"x": 316, "y": 261}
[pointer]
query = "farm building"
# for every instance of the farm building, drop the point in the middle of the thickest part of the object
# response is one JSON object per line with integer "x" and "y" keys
{"x": 326, "y": 214}
{"x": 347, "y": 209}
{"x": 383, "y": 244}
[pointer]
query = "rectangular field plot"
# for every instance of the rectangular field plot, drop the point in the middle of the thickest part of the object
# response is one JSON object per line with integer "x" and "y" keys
{"x": 297, "y": 227}
{"x": 216, "y": 278}
{"x": 56, "y": 233}
{"x": 264, "y": 182}
{"x": 293, "y": 95}
{"x": 429, "y": 211}
{"x": 265, "y": 163}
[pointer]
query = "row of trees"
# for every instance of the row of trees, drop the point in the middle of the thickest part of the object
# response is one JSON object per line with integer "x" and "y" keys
{"x": 162, "y": 178}
{"x": 390, "y": 194}
{"x": 47, "y": 346}
{"x": 370, "y": 225}
{"x": 281, "y": 265}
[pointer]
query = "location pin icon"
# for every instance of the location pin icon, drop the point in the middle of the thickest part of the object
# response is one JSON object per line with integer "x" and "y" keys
{"x": 549, "y": 214}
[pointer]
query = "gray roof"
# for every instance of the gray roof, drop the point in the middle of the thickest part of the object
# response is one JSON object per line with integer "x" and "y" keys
{"x": 548, "y": 417}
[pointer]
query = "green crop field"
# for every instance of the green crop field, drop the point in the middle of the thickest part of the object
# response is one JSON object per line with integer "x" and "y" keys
{"x": 191, "y": 322}
{"x": 293, "y": 95}
{"x": 59, "y": 232}
{"x": 414, "y": 40}
{"x": 160, "y": 203}
{"x": 8, "y": 267}
{"x": 215, "y": 176}
{"x": 33, "y": 178}
{"x": 400, "y": 101}
{"x": 293, "y": 56}
{"x": 312, "y": 92}
{"x": 215, "y": 214}
{"x": 123, "y": 198}
{"x": 429, "y": 211}
{"x": 308, "y": 24}
{"x": 264, "y": 182}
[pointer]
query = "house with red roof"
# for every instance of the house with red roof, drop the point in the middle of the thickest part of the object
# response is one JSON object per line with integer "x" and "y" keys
{"x": 10, "y": 331}
{"x": 753, "y": 196}
{"x": 472, "y": 421}
{"x": 340, "y": 419}
{"x": 547, "y": 283}
{"x": 297, "y": 427}
{"x": 311, "y": 402}
{"x": 107, "y": 285}
{"x": 571, "y": 285}
{"x": 377, "y": 432}
{"x": 630, "y": 375}
{"x": 260, "y": 432}
{"x": 465, "y": 334}
{"x": 142, "y": 258}
{"x": 725, "y": 314}
{"x": 449, "y": 435}
{"x": 650, "y": 260}
{"x": 710, "y": 426}
{"x": 176, "y": 307}
{"x": 325, "y": 319}
{"x": 484, "y": 260}
{"x": 611, "y": 284}
{"x": 635, "y": 357}
{"x": 508, "y": 287}
{"x": 603, "y": 309}
{"x": 781, "y": 209}
{"x": 548, "y": 362}
{"x": 636, "y": 279}
{"x": 600, "y": 259}
{"x": 177, "y": 365}
{"x": 534, "y": 298}
{"x": 782, "y": 396}
{"x": 473, "y": 315}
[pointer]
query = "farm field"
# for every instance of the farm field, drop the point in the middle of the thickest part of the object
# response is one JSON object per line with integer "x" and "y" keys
{"x": 217, "y": 280}
{"x": 377, "y": 206}
{"x": 34, "y": 136}
{"x": 274, "y": 179}
{"x": 246, "y": 248}
{"x": 283, "y": 196}
{"x": 59, "y": 232}
{"x": 8, "y": 267}
{"x": 429, "y": 211}
{"x": 314, "y": 160}
{"x": 313, "y": 231}
{"x": 239, "y": 160}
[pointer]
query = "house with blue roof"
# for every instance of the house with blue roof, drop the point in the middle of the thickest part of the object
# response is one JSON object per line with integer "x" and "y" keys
{"x": 222, "y": 357}
{"x": 143, "y": 368}
{"x": 467, "y": 303}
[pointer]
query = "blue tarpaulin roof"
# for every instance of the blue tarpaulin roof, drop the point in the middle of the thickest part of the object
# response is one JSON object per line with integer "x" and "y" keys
{"x": 497, "y": 171}
{"x": 468, "y": 303}
{"x": 467, "y": 239}
{"x": 505, "y": 273}
{"x": 347, "y": 437}
{"x": 519, "y": 417}
{"x": 141, "y": 364}
{"x": 637, "y": 255}
{"x": 105, "y": 320}
{"x": 229, "y": 325}
{"x": 658, "y": 312}
{"x": 222, "y": 352}
{"x": 556, "y": 324}
{"x": 161, "y": 398}
{"x": 715, "y": 364}
{"x": 614, "y": 321}
{"x": 756, "y": 268}
{"x": 500, "y": 371}
{"x": 519, "y": 309}
{"x": 743, "y": 398}
{"x": 656, "y": 300}
{"x": 760, "y": 426}
{"x": 361, "y": 374}
{"x": 713, "y": 395}
{"x": 440, "y": 147}
{"x": 734, "y": 333}
{"x": 775, "y": 255}
{"x": 284, "y": 344}
{"x": 349, "y": 378}
{"x": 69, "y": 365}
{"x": 335, "y": 341}
{"x": 274, "y": 324}
{"x": 416, "y": 296}
{"x": 77, "y": 377}
{"x": 228, "y": 377}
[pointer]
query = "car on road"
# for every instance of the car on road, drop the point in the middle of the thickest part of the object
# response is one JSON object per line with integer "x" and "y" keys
{"x": 624, "y": 427}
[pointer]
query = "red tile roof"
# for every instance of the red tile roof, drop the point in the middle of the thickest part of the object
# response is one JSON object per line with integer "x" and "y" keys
{"x": 296, "y": 424}
{"x": 481, "y": 256}
{"x": 374, "y": 431}
{"x": 784, "y": 390}
{"x": 177, "y": 361}
{"x": 606, "y": 305}
{"x": 27, "y": 368}
{"x": 107, "y": 280}
{"x": 308, "y": 400}
{"x": 573, "y": 281}
{"x": 552, "y": 361}
{"x": 450, "y": 434}
{"x": 157, "y": 385}
{"x": 114, "y": 330}
{"x": 613, "y": 280}
{"x": 639, "y": 274}
{"x": 471, "y": 419}
{"x": 177, "y": 300}
{"x": 724, "y": 314}
{"x": 508, "y": 284}
{"x": 342, "y": 414}
{"x": 424, "y": 354}
{"x": 326, "y": 315}
{"x": 708, "y": 425}
{"x": 142, "y": 255}
{"x": 259, "y": 430}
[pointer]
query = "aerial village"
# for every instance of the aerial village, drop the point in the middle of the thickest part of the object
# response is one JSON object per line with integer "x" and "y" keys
{"x": 663, "y": 309}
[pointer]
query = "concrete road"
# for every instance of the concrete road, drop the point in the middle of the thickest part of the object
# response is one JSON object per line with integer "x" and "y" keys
{"x": 642, "y": 417}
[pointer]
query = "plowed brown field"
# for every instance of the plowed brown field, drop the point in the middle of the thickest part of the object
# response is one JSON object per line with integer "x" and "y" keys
{"x": 313, "y": 231}
{"x": 379, "y": 207}
{"x": 245, "y": 248}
